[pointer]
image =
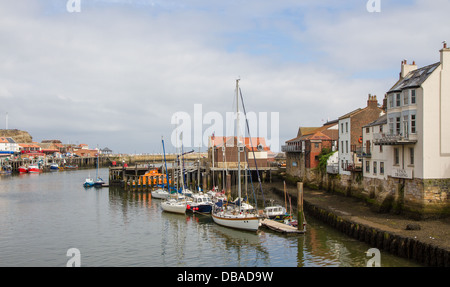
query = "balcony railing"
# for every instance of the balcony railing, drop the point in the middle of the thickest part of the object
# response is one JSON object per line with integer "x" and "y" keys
{"x": 352, "y": 167}
{"x": 388, "y": 139}
{"x": 291, "y": 148}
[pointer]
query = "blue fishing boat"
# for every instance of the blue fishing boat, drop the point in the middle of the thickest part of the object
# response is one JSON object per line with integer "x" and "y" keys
{"x": 199, "y": 203}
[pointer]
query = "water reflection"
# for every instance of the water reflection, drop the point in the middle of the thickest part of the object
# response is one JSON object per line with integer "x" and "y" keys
{"x": 43, "y": 215}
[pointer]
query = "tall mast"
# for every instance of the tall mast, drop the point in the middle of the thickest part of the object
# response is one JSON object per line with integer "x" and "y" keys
{"x": 237, "y": 142}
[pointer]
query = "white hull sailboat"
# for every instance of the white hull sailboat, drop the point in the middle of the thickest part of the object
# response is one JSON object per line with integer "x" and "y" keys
{"x": 174, "y": 206}
{"x": 240, "y": 220}
{"x": 160, "y": 194}
{"x": 236, "y": 217}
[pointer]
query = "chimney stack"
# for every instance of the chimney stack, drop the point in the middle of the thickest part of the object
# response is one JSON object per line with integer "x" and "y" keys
{"x": 406, "y": 69}
{"x": 372, "y": 101}
{"x": 445, "y": 55}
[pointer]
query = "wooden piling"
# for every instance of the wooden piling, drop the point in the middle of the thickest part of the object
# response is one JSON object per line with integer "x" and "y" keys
{"x": 300, "y": 205}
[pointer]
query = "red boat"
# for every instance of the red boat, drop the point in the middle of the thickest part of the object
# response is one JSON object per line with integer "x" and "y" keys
{"x": 33, "y": 169}
{"x": 23, "y": 169}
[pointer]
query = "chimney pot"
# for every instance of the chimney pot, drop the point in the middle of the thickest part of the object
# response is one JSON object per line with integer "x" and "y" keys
{"x": 445, "y": 45}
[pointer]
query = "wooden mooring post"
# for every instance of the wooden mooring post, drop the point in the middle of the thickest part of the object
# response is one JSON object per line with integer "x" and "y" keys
{"x": 301, "y": 215}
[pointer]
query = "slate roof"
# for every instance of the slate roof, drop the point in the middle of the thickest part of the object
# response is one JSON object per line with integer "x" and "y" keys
{"x": 380, "y": 121}
{"x": 414, "y": 78}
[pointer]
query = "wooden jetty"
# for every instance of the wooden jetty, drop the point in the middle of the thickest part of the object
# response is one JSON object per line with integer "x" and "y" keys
{"x": 285, "y": 228}
{"x": 280, "y": 227}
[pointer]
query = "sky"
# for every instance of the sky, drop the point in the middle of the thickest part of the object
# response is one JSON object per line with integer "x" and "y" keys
{"x": 122, "y": 73}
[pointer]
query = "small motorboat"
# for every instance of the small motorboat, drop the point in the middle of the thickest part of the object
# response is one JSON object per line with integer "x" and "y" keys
{"x": 199, "y": 203}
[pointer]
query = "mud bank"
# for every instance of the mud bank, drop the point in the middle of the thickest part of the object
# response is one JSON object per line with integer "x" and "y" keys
{"x": 425, "y": 242}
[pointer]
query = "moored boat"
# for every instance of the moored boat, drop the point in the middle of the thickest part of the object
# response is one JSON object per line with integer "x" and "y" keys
{"x": 33, "y": 169}
{"x": 99, "y": 182}
{"x": 88, "y": 182}
{"x": 174, "y": 205}
{"x": 199, "y": 203}
{"x": 23, "y": 169}
{"x": 160, "y": 193}
{"x": 54, "y": 167}
{"x": 236, "y": 215}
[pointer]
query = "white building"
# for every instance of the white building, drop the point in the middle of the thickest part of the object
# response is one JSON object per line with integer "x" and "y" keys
{"x": 350, "y": 136}
{"x": 8, "y": 146}
{"x": 417, "y": 132}
{"x": 376, "y": 158}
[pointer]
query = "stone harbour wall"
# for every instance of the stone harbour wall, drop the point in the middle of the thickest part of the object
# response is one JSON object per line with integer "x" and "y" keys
{"x": 416, "y": 198}
{"x": 402, "y": 246}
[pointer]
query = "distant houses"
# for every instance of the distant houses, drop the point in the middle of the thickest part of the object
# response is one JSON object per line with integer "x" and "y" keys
{"x": 396, "y": 155}
{"x": 10, "y": 148}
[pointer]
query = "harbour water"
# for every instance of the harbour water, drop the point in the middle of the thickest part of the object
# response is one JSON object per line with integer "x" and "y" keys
{"x": 42, "y": 216}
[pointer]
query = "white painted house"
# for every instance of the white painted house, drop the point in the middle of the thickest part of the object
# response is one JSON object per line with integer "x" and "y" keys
{"x": 377, "y": 159}
{"x": 417, "y": 133}
{"x": 350, "y": 136}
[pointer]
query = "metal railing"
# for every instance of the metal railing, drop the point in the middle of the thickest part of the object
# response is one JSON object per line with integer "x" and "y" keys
{"x": 291, "y": 148}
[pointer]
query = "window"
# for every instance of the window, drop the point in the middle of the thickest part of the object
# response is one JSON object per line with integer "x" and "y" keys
{"x": 413, "y": 96}
{"x": 346, "y": 127}
{"x": 397, "y": 100}
{"x": 342, "y": 146}
{"x": 346, "y": 146}
{"x": 316, "y": 145}
{"x": 381, "y": 129}
{"x": 368, "y": 166}
{"x": 411, "y": 155}
{"x": 381, "y": 167}
{"x": 391, "y": 101}
{"x": 391, "y": 126}
{"x": 405, "y": 98}
{"x": 367, "y": 130}
{"x": 413, "y": 124}
{"x": 397, "y": 125}
{"x": 405, "y": 125}
{"x": 374, "y": 167}
{"x": 342, "y": 128}
{"x": 396, "y": 156}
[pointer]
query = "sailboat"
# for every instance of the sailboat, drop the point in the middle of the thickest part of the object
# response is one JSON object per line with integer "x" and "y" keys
{"x": 99, "y": 181}
{"x": 161, "y": 193}
{"x": 173, "y": 203}
{"x": 236, "y": 216}
{"x": 88, "y": 182}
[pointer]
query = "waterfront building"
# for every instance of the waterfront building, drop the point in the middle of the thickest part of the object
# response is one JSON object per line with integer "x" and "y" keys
{"x": 377, "y": 159}
{"x": 223, "y": 151}
{"x": 417, "y": 135}
{"x": 8, "y": 146}
{"x": 302, "y": 152}
{"x": 350, "y": 135}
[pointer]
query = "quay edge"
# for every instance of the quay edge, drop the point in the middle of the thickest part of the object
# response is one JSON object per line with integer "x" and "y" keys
{"x": 377, "y": 235}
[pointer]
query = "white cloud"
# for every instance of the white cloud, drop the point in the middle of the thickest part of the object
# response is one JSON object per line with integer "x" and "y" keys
{"x": 115, "y": 73}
